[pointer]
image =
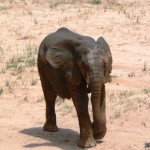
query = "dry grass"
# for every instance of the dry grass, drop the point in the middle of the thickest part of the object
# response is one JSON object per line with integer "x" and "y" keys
{"x": 124, "y": 24}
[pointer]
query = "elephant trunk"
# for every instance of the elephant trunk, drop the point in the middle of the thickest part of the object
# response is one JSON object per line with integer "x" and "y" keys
{"x": 95, "y": 98}
{"x": 97, "y": 87}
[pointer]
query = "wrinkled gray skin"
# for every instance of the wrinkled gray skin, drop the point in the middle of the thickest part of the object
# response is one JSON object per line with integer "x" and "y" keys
{"x": 71, "y": 66}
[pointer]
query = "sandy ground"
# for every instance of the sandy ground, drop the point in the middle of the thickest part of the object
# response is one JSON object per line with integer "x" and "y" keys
{"x": 126, "y": 27}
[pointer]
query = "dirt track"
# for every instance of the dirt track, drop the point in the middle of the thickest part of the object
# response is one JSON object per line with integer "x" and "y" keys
{"x": 126, "y": 27}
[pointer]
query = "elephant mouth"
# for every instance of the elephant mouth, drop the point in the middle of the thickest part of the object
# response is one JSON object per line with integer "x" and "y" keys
{"x": 88, "y": 88}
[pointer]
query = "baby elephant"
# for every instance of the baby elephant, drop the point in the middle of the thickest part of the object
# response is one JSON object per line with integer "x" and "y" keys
{"x": 71, "y": 65}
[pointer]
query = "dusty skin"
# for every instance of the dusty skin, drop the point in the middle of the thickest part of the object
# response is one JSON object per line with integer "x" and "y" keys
{"x": 126, "y": 27}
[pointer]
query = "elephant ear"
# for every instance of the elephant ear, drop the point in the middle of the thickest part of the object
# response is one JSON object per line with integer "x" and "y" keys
{"x": 62, "y": 56}
{"x": 104, "y": 47}
{"x": 103, "y": 44}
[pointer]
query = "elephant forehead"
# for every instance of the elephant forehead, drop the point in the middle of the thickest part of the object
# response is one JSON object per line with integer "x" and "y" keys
{"x": 104, "y": 53}
{"x": 95, "y": 54}
{"x": 97, "y": 50}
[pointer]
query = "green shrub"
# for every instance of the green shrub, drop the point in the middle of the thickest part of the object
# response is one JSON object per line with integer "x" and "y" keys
{"x": 96, "y": 2}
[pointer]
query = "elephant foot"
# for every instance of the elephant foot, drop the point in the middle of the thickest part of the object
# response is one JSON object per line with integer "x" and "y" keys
{"x": 99, "y": 135}
{"x": 50, "y": 128}
{"x": 87, "y": 142}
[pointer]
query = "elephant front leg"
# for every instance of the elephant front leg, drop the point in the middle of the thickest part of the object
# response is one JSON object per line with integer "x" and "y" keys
{"x": 80, "y": 100}
{"x": 99, "y": 133}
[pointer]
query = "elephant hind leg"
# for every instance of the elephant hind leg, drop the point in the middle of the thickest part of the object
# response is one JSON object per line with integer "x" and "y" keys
{"x": 50, "y": 97}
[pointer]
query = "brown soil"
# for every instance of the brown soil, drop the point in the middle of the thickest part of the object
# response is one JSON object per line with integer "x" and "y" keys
{"x": 126, "y": 27}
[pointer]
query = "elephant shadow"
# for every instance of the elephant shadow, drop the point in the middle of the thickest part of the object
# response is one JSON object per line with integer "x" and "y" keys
{"x": 65, "y": 139}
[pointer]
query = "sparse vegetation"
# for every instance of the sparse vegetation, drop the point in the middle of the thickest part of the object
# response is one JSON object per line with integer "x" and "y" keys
{"x": 124, "y": 24}
{"x": 55, "y": 4}
{"x": 31, "y": 53}
{"x": 146, "y": 91}
{"x": 20, "y": 62}
{"x": 131, "y": 74}
{"x": 96, "y": 2}
{"x": 110, "y": 78}
{"x": 19, "y": 77}
{"x": 26, "y": 98}
{"x": 35, "y": 21}
{"x": 59, "y": 100}
{"x": 125, "y": 94}
{"x": 1, "y": 51}
{"x": 147, "y": 145}
{"x": 67, "y": 109}
{"x": 3, "y": 8}
{"x": 34, "y": 81}
{"x": 31, "y": 50}
{"x": 31, "y": 62}
{"x": 8, "y": 82}
{"x": 14, "y": 61}
{"x": 20, "y": 68}
{"x": 2, "y": 70}
{"x": 117, "y": 114}
{"x": 127, "y": 100}
{"x": 1, "y": 90}
{"x": 40, "y": 99}
{"x": 144, "y": 67}
{"x": 143, "y": 124}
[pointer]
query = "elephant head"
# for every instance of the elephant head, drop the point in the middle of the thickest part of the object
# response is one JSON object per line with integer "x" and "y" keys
{"x": 81, "y": 60}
